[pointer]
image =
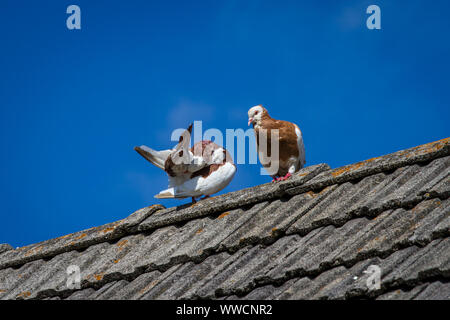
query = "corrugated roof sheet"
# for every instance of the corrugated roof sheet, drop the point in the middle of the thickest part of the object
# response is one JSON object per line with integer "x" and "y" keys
{"x": 311, "y": 237}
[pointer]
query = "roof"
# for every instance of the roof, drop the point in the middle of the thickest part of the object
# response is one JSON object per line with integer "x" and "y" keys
{"x": 313, "y": 236}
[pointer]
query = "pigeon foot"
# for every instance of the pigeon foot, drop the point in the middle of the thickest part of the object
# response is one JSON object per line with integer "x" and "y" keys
{"x": 287, "y": 176}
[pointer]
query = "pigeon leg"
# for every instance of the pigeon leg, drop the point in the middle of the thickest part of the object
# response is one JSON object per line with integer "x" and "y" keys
{"x": 287, "y": 176}
{"x": 193, "y": 200}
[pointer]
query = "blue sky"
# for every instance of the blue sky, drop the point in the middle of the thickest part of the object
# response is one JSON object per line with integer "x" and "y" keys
{"x": 74, "y": 103}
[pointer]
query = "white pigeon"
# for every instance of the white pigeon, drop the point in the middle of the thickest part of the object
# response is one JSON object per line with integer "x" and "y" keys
{"x": 204, "y": 169}
{"x": 291, "y": 147}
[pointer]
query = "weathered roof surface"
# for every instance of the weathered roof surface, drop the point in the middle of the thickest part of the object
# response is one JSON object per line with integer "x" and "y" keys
{"x": 313, "y": 236}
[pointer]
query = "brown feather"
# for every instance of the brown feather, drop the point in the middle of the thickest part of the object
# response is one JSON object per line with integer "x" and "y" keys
{"x": 206, "y": 148}
{"x": 168, "y": 167}
{"x": 288, "y": 146}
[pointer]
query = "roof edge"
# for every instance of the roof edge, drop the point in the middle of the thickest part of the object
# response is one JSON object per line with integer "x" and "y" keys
{"x": 76, "y": 241}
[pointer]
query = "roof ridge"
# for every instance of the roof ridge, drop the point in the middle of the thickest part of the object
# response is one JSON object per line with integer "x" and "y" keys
{"x": 308, "y": 179}
{"x": 155, "y": 216}
{"x": 420, "y": 154}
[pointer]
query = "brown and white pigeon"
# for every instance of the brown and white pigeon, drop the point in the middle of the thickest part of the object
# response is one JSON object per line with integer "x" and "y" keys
{"x": 204, "y": 169}
{"x": 291, "y": 147}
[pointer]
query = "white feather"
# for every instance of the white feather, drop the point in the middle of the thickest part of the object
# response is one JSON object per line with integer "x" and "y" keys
{"x": 301, "y": 147}
{"x": 199, "y": 186}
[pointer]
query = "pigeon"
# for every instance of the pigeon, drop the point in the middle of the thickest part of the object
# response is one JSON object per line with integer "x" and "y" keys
{"x": 202, "y": 170}
{"x": 291, "y": 147}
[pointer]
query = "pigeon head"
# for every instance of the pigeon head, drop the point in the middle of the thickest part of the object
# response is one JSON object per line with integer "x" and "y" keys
{"x": 256, "y": 114}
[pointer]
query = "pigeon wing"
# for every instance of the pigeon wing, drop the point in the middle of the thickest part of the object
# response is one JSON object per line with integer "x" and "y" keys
{"x": 183, "y": 159}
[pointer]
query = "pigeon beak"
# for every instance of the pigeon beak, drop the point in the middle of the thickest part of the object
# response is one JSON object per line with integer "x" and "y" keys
{"x": 250, "y": 121}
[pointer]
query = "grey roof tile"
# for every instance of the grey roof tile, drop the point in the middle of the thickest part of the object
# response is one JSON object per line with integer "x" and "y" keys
{"x": 140, "y": 286}
{"x": 12, "y": 280}
{"x": 310, "y": 237}
{"x": 330, "y": 246}
{"x": 400, "y": 294}
{"x": 81, "y": 294}
{"x": 342, "y": 283}
{"x": 314, "y": 251}
{"x": 141, "y": 256}
{"x": 435, "y": 291}
{"x": 370, "y": 196}
{"x": 337, "y": 204}
{"x": 76, "y": 241}
{"x": 52, "y": 298}
{"x": 169, "y": 286}
{"x": 168, "y": 252}
{"x": 267, "y": 292}
{"x": 107, "y": 292}
{"x": 155, "y": 285}
{"x": 100, "y": 292}
{"x": 376, "y": 165}
{"x": 213, "y": 232}
{"x": 266, "y": 225}
{"x": 430, "y": 261}
{"x": 431, "y": 179}
{"x": 235, "y": 264}
{"x": 5, "y": 247}
{"x": 209, "y": 278}
{"x": 111, "y": 292}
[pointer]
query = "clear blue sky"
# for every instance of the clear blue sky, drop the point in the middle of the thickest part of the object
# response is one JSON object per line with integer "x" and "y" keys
{"x": 74, "y": 103}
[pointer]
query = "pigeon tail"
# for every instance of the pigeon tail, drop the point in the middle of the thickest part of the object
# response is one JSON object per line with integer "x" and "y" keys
{"x": 166, "y": 194}
{"x": 157, "y": 158}
{"x": 172, "y": 193}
